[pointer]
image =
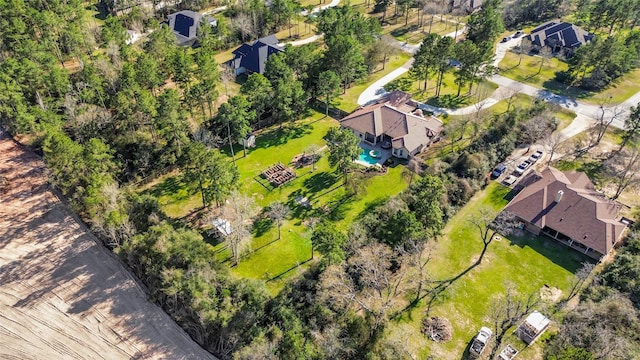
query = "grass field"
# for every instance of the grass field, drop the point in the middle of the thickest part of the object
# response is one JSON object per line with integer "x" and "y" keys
{"x": 522, "y": 261}
{"x": 448, "y": 98}
{"x": 529, "y": 72}
{"x": 276, "y": 260}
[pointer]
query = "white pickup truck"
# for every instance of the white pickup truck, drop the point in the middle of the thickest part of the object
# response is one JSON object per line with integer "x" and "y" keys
{"x": 480, "y": 342}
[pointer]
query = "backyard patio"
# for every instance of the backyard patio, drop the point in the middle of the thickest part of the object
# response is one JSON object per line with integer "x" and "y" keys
{"x": 372, "y": 155}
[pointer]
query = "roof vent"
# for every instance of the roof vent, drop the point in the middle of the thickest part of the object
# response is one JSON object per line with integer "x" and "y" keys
{"x": 559, "y": 196}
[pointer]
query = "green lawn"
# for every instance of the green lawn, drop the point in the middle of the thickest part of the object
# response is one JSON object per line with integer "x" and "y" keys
{"x": 519, "y": 101}
{"x": 527, "y": 72}
{"x": 276, "y": 260}
{"x": 620, "y": 90}
{"x": 523, "y": 261}
{"x": 448, "y": 92}
{"x": 414, "y": 34}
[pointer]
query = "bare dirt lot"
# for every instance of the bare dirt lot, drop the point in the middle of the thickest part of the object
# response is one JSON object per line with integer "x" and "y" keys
{"x": 62, "y": 294}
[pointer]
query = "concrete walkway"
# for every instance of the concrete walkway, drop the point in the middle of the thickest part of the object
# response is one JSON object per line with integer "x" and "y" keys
{"x": 376, "y": 90}
{"x": 304, "y": 41}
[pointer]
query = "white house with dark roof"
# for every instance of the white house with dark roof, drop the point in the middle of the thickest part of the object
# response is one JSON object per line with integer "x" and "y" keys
{"x": 185, "y": 25}
{"x": 394, "y": 123}
{"x": 565, "y": 206}
{"x": 560, "y": 37}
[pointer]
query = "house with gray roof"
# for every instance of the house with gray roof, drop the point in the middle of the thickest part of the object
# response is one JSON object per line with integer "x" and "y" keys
{"x": 252, "y": 58}
{"x": 565, "y": 206}
{"x": 185, "y": 26}
{"x": 394, "y": 123}
{"x": 560, "y": 37}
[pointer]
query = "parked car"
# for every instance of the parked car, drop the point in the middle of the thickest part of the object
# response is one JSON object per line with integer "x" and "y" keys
{"x": 518, "y": 34}
{"x": 537, "y": 155}
{"x": 480, "y": 342}
{"x": 520, "y": 169}
{"x": 499, "y": 170}
{"x": 505, "y": 39}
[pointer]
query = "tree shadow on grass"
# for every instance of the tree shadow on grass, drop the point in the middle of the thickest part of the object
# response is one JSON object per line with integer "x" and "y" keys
{"x": 371, "y": 206}
{"x": 262, "y": 224}
{"x": 169, "y": 186}
{"x": 448, "y": 101}
{"x": 319, "y": 181}
{"x": 559, "y": 254}
{"x": 340, "y": 207}
{"x": 288, "y": 270}
{"x": 281, "y": 135}
{"x": 560, "y": 88}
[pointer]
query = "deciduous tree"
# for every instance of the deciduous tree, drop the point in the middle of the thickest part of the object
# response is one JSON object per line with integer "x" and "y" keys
{"x": 278, "y": 212}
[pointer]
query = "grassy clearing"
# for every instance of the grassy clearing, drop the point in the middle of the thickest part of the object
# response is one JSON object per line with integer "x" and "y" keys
{"x": 413, "y": 33}
{"x": 523, "y": 261}
{"x": 528, "y": 72}
{"x": 620, "y": 90}
{"x": 448, "y": 92}
{"x": 277, "y": 260}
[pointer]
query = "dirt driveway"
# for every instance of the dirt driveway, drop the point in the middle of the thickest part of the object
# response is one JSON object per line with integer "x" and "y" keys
{"x": 62, "y": 294}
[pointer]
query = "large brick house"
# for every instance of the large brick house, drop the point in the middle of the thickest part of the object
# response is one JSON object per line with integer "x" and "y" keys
{"x": 565, "y": 206}
{"x": 394, "y": 123}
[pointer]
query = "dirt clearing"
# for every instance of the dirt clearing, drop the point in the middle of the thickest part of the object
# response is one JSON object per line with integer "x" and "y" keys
{"x": 62, "y": 294}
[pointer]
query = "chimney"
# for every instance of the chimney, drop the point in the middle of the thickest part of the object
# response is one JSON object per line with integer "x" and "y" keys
{"x": 559, "y": 196}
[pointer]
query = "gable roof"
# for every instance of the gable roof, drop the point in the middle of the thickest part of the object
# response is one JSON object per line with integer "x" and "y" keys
{"x": 253, "y": 57}
{"x": 563, "y": 34}
{"x": 409, "y": 131}
{"x": 582, "y": 213}
{"x": 185, "y": 25}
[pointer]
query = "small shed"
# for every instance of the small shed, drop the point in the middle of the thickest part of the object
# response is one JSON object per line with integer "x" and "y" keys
{"x": 249, "y": 141}
{"x": 222, "y": 226}
{"x": 532, "y": 327}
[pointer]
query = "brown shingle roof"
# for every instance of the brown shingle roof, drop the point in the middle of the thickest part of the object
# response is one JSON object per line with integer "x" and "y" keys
{"x": 406, "y": 130}
{"x": 582, "y": 213}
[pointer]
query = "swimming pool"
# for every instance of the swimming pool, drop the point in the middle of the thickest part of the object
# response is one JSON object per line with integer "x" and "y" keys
{"x": 366, "y": 158}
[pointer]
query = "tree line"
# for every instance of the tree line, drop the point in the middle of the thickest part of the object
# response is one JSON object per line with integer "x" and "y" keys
{"x": 472, "y": 57}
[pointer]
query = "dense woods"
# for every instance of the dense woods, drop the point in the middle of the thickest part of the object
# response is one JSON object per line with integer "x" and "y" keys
{"x": 107, "y": 116}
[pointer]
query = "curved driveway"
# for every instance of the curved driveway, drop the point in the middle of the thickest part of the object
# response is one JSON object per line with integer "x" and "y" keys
{"x": 586, "y": 113}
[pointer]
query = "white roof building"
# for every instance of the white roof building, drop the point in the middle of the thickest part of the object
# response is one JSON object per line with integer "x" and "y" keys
{"x": 223, "y": 226}
{"x": 533, "y": 326}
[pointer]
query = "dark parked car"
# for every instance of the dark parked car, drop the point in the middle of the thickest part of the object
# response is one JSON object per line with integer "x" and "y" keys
{"x": 505, "y": 39}
{"x": 518, "y": 34}
{"x": 499, "y": 170}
